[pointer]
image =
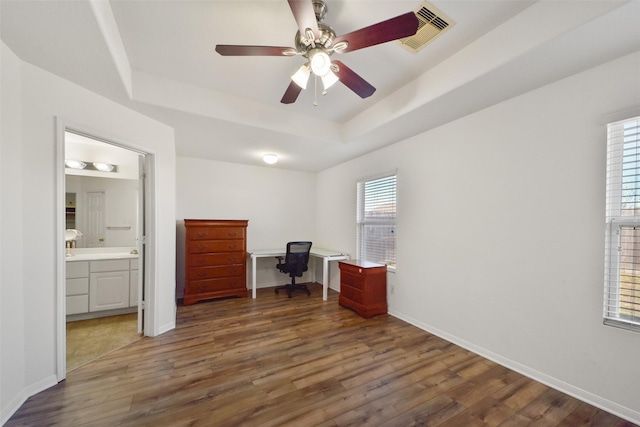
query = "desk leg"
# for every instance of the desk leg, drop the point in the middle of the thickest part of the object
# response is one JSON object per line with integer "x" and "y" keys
{"x": 253, "y": 277}
{"x": 325, "y": 278}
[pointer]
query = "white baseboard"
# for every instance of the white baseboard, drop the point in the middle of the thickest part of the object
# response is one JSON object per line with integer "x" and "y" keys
{"x": 18, "y": 401}
{"x": 583, "y": 395}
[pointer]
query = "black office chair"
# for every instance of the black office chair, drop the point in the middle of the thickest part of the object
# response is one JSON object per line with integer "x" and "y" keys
{"x": 295, "y": 263}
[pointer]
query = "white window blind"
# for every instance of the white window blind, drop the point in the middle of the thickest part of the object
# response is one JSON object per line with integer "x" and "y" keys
{"x": 376, "y": 237}
{"x": 622, "y": 251}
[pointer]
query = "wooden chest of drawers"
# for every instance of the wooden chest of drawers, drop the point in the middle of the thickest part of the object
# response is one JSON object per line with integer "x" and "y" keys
{"x": 363, "y": 287}
{"x": 215, "y": 259}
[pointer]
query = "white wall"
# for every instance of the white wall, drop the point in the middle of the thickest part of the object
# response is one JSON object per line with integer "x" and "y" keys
{"x": 501, "y": 232}
{"x": 279, "y": 204}
{"x": 29, "y": 351}
{"x": 12, "y": 307}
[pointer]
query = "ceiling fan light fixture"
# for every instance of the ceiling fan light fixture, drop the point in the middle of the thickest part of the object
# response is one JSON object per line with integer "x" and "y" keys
{"x": 301, "y": 77}
{"x": 320, "y": 62}
{"x": 329, "y": 79}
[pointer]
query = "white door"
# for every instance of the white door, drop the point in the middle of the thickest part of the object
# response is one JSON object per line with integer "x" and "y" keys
{"x": 94, "y": 220}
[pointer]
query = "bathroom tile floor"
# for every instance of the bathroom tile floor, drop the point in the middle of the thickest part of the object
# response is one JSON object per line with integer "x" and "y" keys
{"x": 89, "y": 339}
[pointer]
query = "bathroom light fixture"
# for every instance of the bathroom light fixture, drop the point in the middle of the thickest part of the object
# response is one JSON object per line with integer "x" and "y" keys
{"x": 103, "y": 167}
{"x": 75, "y": 164}
{"x": 270, "y": 158}
{"x": 91, "y": 166}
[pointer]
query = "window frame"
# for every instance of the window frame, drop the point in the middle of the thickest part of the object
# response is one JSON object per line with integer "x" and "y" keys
{"x": 617, "y": 219}
{"x": 362, "y": 220}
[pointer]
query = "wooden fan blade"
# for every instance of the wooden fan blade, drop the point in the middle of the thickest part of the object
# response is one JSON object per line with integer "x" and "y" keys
{"x": 291, "y": 94}
{"x": 392, "y": 29}
{"x": 353, "y": 81}
{"x": 305, "y": 16}
{"x": 239, "y": 50}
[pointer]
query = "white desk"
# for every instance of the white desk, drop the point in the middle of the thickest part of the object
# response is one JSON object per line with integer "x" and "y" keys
{"x": 325, "y": 254}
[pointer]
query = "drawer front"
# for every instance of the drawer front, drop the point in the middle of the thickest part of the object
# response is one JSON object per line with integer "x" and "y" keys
{"x": 215, "y": 285}
{"x": 204, "y": 246}
{"x": 77, "y": 304}
{"x": 217, "y": 233}
{"x": 223, "y": 258}
{"x": 110, "y": 265}
{"x": 350, "y": 293}
{"x": 350, "y": 279}
{"x": 78, "y": 286}
{"x": 218, "y": 271}
{"x": 77, "y": 269}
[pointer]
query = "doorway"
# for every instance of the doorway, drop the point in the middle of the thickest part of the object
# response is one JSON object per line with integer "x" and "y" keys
{"x": 101, "y": 290}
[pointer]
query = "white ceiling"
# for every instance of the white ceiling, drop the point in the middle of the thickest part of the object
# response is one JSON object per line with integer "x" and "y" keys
{"x": 158, "y": 57}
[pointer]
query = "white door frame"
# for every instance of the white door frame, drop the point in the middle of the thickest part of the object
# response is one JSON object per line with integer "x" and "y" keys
{"x": 150, "y": 283}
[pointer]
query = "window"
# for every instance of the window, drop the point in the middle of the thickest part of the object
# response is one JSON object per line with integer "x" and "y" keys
{"x": 376, "y": 240}
{"x": 622, "y": 251}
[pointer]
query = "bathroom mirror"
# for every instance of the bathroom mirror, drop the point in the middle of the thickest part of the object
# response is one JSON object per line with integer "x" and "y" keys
{"x": 102, "y": 204}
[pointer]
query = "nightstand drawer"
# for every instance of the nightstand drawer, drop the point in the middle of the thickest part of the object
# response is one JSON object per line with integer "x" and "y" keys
{"x": 350, "y": 293}
{"x": 350, "y": 279}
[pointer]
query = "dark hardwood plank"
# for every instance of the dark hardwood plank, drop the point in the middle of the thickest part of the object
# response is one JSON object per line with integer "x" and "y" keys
{"x": 276, "y": 361}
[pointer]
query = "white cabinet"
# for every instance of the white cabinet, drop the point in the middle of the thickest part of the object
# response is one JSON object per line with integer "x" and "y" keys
{"x": 97, "y": 285}
{"x": 77, "y": 287}
{"x": 109, "y": 284}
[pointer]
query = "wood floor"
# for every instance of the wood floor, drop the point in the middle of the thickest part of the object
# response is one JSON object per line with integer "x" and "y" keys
{"x": 276, "y": 361}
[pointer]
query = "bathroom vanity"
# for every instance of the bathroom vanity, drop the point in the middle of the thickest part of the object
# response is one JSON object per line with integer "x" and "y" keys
{"x": 99, "y": 284}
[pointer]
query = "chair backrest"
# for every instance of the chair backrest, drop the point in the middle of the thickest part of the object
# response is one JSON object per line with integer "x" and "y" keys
{"x": 297, "y": 257}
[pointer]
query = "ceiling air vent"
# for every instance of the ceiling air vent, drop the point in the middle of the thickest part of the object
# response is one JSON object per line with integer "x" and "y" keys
{"x": 431, "y": 24}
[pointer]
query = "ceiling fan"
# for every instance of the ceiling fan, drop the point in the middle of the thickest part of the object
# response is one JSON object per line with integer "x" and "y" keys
{"x": 317, "y": 41}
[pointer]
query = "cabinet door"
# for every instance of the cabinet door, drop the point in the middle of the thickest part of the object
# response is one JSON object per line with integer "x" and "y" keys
{"x": 109, "y": 290}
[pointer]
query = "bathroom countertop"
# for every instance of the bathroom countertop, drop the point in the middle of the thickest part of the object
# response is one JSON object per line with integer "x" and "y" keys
{"x": 89, "y": 254}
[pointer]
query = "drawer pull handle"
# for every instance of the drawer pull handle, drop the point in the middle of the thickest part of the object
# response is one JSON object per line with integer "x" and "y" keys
{"x": 201, "y": 261}
{"x": 201, "y": 274}
{"x": 349, "y": 281}
{"x": 202, "y": 234}
{"x": 233, "y": 246}
{"x": 201, "y": 247}
{"x": 232, "y": 234}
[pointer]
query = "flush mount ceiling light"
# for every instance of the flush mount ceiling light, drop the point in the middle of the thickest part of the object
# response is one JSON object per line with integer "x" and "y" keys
{"x": 270, "y": 158}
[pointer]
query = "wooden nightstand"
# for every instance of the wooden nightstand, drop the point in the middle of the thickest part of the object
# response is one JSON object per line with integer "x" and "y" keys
{"x": 363, "y": 287}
